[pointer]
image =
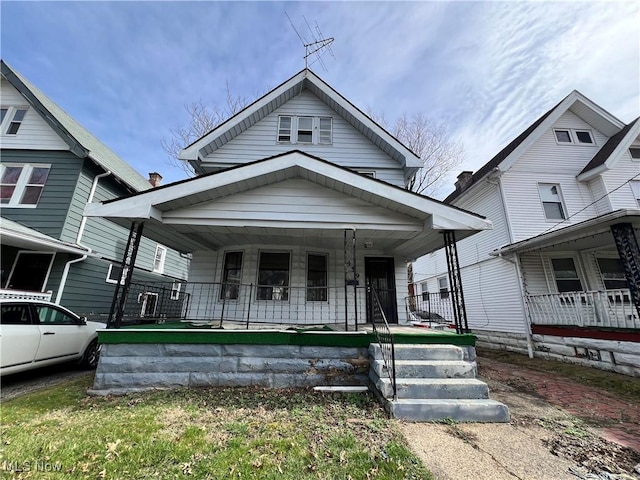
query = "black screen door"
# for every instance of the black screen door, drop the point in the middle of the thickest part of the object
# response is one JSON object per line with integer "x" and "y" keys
{"x": 379, "y": 273}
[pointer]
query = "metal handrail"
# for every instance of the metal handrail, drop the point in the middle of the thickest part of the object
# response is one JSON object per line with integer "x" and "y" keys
{"x": 384, "y": 336}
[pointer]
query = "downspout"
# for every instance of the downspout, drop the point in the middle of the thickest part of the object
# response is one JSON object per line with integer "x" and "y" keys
{"x": 83, "y": 223}
{"x": 516, "y": 263}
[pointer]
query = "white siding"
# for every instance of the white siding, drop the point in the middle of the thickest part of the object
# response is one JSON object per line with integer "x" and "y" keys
{"x": 624, "y": 169}
{"x": 349, "y": 149}
{"x": 34, "y": 132}
{"x": 295, "y": 200}
{"x": 599, "y": 192}
{"x": 533, "y": 273}
{"x": 207, "y": 267}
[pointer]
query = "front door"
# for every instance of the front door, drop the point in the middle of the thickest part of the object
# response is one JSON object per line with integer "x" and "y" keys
{"x": 379, "y": 274}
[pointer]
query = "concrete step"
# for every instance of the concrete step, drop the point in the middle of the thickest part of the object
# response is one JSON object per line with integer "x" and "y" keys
{"x": 433, "y": 388}
{"x": 428, "y": 369}
{"x": 420, "y": 352}
{"x": 423, "y": 410}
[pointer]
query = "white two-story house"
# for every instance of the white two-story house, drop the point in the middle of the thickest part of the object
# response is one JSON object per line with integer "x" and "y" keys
{"x": 299, "y": 207}
{"x": 559, "y": 274}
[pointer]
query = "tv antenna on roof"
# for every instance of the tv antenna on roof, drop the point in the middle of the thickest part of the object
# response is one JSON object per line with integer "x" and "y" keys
{"x": 317, "y": 47}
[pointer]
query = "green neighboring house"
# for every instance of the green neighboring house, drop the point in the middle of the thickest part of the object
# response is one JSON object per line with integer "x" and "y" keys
{"x": 51, "y": 168}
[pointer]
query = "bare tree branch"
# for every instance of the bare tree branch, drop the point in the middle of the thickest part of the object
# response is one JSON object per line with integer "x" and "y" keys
{"x": 202, "y": 119}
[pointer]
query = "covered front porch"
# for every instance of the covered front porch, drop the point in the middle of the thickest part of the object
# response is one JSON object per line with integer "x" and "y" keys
{"x": 289, "y": 239}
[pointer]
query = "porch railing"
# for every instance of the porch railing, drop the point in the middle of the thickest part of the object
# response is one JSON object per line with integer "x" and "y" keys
{"x": 25, "y": 294}
{"x": 242, "y": 303}
{"x": 430, "y": 307}
{"x": 608, "y": 308}
{"x": 384, "y": 337}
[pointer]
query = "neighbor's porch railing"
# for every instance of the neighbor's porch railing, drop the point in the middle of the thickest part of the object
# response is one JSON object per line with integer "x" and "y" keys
{"x": 609, "y": 308}
{"x": 242, "y": 303}
{"x": 430, "y": 307}
{"x": 25, "y": 294}
{"x": 384, "y": 336}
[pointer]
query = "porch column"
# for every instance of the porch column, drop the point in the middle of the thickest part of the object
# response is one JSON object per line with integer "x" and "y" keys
{"x": 629, "y": 253}
{"x": 455, "y": 282}
{"x": 128, "y": 262}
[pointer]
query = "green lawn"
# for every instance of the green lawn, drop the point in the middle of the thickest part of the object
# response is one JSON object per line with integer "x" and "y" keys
{"x": 215, "y": 433}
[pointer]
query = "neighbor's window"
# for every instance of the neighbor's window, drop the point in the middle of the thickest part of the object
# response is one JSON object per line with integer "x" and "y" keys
{"x": 563, "y": 136}
{"x": 584, "y": 136}
{"x": 551, "y": 201}
{"x": 443, "y": 287}
{"x": 317, "y": 278}
{"x": 424, "y": 289}
{"x": 566, "y": 275}
{"x": 14, "y": 117}
{"x": 305, "y": 130}
{"x": 176, "y": 287}
{"x": 634, "y": 152}
{"x": 159, "y": 258}
{"x": 612, "y": 273}
{"x": 273, "y": 276}
{"x": 635, "y": 188}
{"x": 284, "y": 129}
{"x": 231, "y": 274}
{"x": 114, "y": 275}
{"x": 21, "y": 185}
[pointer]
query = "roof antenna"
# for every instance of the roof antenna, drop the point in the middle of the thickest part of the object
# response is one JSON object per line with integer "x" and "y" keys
{"x": 317, "y": 47}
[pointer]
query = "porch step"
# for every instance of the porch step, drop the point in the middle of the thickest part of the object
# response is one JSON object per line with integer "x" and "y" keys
{"x": 420, "y": 352}
{"x": 429, "y": 410}
{"x": 434, "y": 382}
{"x": 428, "y": 368}
{"x": 433, "y": 388}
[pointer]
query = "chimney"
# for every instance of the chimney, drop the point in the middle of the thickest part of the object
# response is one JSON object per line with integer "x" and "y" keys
{"x": 154, "y": 179}
{"x": 464, "y": 180}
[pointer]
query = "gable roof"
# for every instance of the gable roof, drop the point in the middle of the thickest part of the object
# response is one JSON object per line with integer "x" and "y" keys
{"x": 303, "y": 80}
{"x": 81, "y": 142}
{"x": 576, "y": 102}
{"x": 608, "y": 152}
{"x": 157, "y": 206}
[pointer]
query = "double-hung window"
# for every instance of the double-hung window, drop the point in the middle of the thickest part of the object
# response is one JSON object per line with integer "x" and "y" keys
{"x": 566, "y": 275}
{"x": 21, "y": 185}
{"x": 305, "y": 130}
{"x": 612, "y": 273}
{"x": 443, "y": 287}
{"x": 273, "y": 276}
{"x": 231, "y": 274}
{"x": 11, "y": 119}
{"x": 317, "y": 278}
{"x": 551, "y": 201}
{"x": 159, "y": 258}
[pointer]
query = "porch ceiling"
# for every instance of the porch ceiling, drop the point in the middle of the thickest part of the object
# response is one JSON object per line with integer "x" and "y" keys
{"x": 590, "y": 234}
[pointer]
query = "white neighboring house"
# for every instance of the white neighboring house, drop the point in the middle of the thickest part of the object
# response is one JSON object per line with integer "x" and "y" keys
{"x": 300, "y": 204}
{"x": 549, "y": 278}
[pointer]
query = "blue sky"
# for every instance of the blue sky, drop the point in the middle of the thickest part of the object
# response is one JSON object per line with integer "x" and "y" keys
{"x": 125, "y": 70}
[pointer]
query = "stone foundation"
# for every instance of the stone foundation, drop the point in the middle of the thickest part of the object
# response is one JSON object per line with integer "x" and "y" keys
{"x": 616, "y": 356}
{"x": 134, "y": 367}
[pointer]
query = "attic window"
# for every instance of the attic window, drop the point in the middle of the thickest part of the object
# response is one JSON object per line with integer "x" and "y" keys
{"x": 563, "y": 136}
{"x": 16, "y": 115}
{"x": 284, "y": 129}
{"x": 305, "y": 130}
{"x": 634, "y": 152}
{"x": 584, "y": 136}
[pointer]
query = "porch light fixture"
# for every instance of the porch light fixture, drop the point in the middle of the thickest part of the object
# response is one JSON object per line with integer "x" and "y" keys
{"x": 368, "y": 244}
